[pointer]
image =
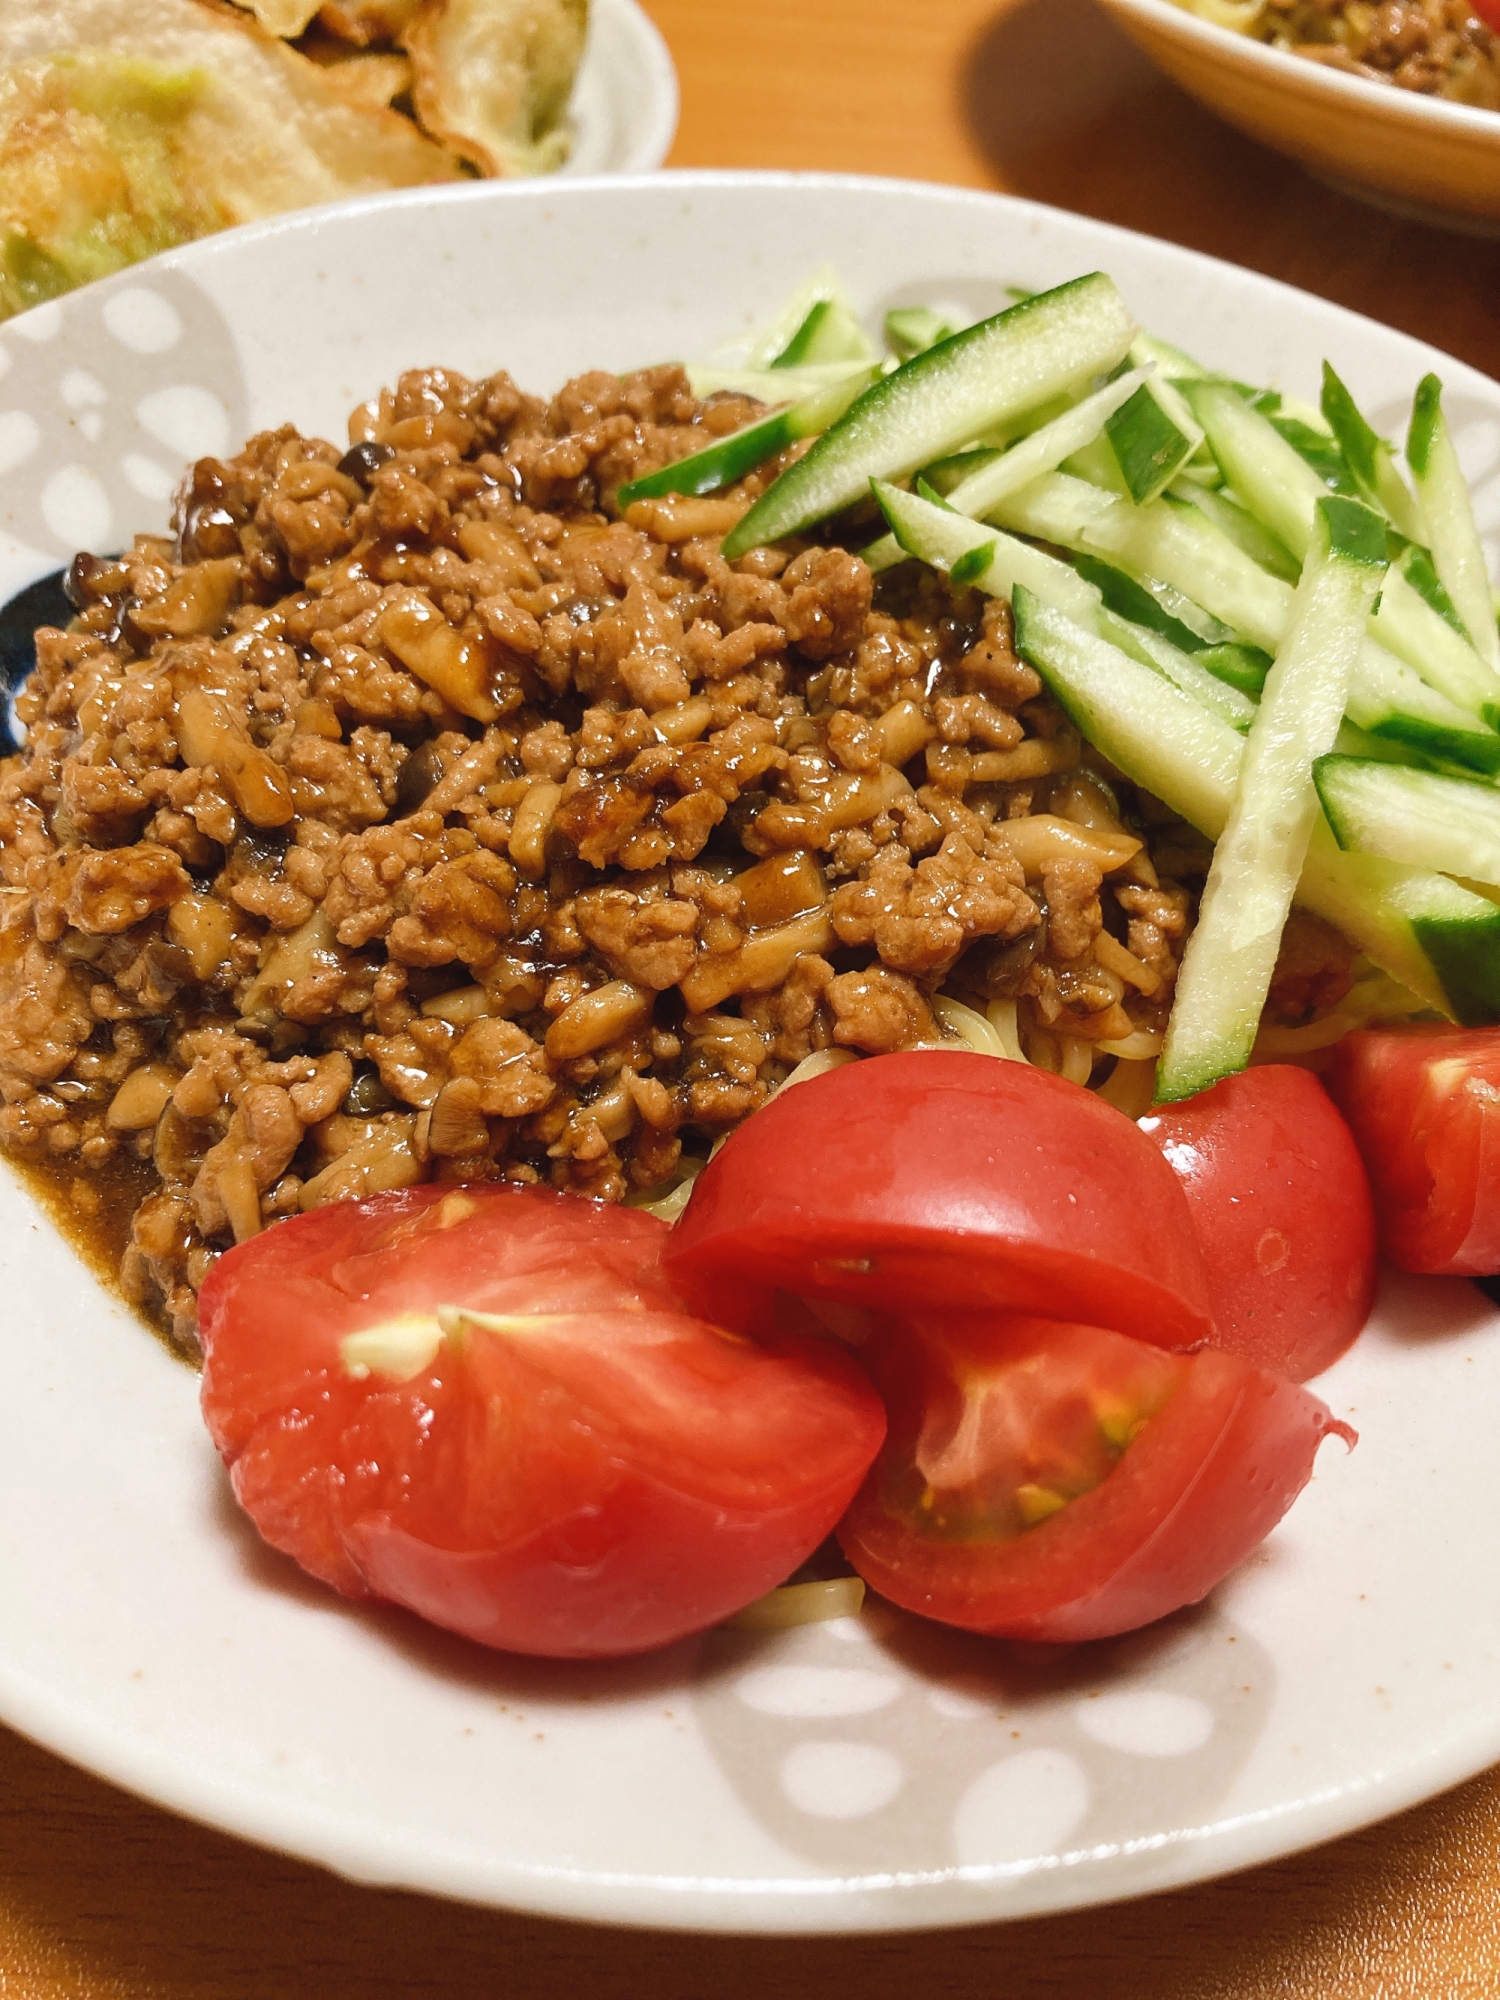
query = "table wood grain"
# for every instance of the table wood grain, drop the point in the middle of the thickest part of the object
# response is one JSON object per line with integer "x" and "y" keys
{"x": 104, "y": 1898}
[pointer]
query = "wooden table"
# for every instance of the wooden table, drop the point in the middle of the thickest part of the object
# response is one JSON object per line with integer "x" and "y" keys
{"x": 102, "y": 1898}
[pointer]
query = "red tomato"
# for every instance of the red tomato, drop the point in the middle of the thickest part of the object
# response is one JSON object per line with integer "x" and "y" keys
{"x": 1283, "y": 1211}
{"x": 936, "y": 1179}
{"x": 1424, "y": 1105}
{"x": 1488, "y": 11}
{"x": 1061, "y": 1483}
{"x": 579, "y": 1470}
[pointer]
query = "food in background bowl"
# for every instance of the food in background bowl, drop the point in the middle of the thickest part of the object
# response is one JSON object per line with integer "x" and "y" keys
{"x": 126, "y": 131}
{"x": 1440, "y": 48}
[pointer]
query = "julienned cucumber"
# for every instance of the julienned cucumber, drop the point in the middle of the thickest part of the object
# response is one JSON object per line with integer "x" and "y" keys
{"x": 994, "y": 474}
{"x": 1438, "y": 939}
{"x": 1367, "y": 454}
{"x": 1448, "y": 520}
{"x": 729, "y": 458}
{"x": 830, "y": 332}
{"x": 1172, "y": 541}
{"x": 1231, "y": 956}
{"x": 1283, "y": 492}
{"x": 945, "y": 397}
{"x": 1418, "y": 816}
{"x": 1242, "y": 667}
{"x": 1152, "y": 437}
{"x": 1181, "y": 668}
{"x": 979, "y": 557}
{"x": 911, "y": 329}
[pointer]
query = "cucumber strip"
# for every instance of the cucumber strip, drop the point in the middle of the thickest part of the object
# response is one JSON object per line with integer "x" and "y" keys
{"x": 1147, "y": 351}
{"x": 759, "y": 349}
{"x": 1318, "y": 448}
{"x": 772, "y": 385}
{"x": 1408, "y": 626}
{"x": 1230, "y": 958}
{"x": 1152, "y": 436}
{"x": 1157, "y": 735}
{"x": 944, "y": 398}
{"x": 830, "y": 332}
{"x": 1417, "y": 566}
{"x": 1242, "y": 667}
{"x": 1171, "y": 540}
{"x": 1135, "y": 602}
{"x": 1367, "y": 454}
{"x": 1276, "y": 483}
{"x": 729, "y": 458}
{"x": 1180, "y": 668}
{"x": 1241, "y": 526}
{"x": 1441, "y": 941}
{"x": 946, "y": 475}
{"x": 911, "y": 330}
{"x": 982, "y": 558}
{"x": 1448, "y": 520}
{"x": 1043, "y": 450}
{"x": 1006, "y": 472}
{"x": 1431, "y": 821}
{"x": 1390, "y": 700}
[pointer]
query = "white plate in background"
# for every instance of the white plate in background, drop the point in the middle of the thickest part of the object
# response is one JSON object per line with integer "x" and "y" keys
{"x": 1423, "y": 157}
{"x": 857, "y": 1776}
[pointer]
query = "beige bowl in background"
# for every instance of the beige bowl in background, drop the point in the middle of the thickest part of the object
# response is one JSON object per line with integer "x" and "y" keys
{"x": 1417, "y": 155}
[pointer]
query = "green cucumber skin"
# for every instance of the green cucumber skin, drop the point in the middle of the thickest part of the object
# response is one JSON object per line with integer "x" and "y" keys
{"x": 1241, "y": 667}
{"x": 1147, "y": 446}
{"x": 1357, "y": 441}
{"x": 720, "y": 464}
{"x": 1190, "y": 760}
{"x": 879, "y": 436}
{"x": 1449, "y": 527}
{"x": 1320, "y": 452}
{"x": 1128, "y": 599}
{"x": 1416, "y": 566}
{"x": 1426, "y": 415}
{"x": 1466, "y": 958}
{"x": 729, "y": 459}
{"x": 803, "y": 343}
{"x": 1354, "y": 531}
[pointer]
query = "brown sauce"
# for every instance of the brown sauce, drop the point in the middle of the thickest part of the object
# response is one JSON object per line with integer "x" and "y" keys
{"x": 92, "y": 1212}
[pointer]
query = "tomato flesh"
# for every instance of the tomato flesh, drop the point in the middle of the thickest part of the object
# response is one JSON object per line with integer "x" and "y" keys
{"x": 1424, "y": 1107}
{"x": 1060, "y": 1482}
{"x": 1282, "y": 1207}
{"x": 944, "y": 1180}
{"x": 599, "y": 1473}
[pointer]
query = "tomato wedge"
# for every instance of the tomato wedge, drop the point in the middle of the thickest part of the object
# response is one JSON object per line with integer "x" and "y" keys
{"x": 1488, "y": 11}
{"x": 1424, "y": 1106}
{"x": 1058, "y": 1482}
{"x": 1282, "y": 1207}
{"x": 938, "y": 1179}
{"x": 486, "y": 1405}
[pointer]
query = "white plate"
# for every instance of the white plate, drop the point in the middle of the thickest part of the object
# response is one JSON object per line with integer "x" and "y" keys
{"x": 624, "y": 105}
{"x": 853, "y": 1776}
{"x": 1424, "y": 157}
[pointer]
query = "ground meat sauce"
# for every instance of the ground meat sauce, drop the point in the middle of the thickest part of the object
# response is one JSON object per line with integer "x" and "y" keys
{"x": 1435, "y": 47}
{"x": 409, "y": 814}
